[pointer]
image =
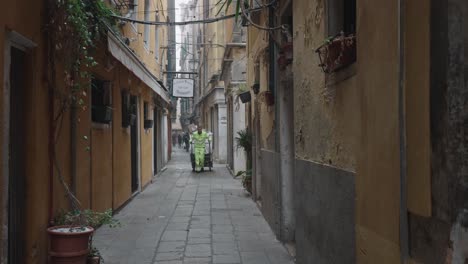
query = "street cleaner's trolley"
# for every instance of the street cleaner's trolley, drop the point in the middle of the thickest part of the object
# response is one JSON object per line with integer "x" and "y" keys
{"x": 208, "y": 156}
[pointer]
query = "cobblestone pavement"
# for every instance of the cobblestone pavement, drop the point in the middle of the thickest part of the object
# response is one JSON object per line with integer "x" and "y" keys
{"x": 190, "y": 218}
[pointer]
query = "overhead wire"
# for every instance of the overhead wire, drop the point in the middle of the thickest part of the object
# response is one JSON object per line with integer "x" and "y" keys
{"x": 200, "y": 21}
{"x": 246, "y": 16}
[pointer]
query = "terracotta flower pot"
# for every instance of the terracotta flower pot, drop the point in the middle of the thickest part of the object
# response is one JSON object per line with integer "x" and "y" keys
{"x": 69, "y": 247}
{"x": 94, "y": 260}
{"x": 248, "y": 184}
{"x": 269, "y": 98}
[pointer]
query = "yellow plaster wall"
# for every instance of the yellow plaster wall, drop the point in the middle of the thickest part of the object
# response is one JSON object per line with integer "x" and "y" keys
{"x": 377, "y": 180}
{"x": 121, "y": 139}
{"x": 101, "y": 164}
{"x": 257, "y": 43}
{"x": 101, "y": 151}
{"x": 110, "y": 170}
{"x": 24, "y": 18}
{"x": 326, "y": 106}
{"x": 147, "y": 53}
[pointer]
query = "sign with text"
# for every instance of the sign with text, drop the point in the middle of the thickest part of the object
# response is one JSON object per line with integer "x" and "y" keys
{"x": 182, "y": 88}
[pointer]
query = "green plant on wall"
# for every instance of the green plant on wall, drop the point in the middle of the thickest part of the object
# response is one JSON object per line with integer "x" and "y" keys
{"x": 74, "y": 30}
{"x": 244, "y": 142}
{"x": 86, "y": 218}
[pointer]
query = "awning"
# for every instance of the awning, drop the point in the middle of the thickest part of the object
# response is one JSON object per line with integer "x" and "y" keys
{"x": 122, "y": 53}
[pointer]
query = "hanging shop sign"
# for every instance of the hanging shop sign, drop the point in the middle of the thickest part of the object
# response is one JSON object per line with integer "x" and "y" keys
{"x": 182, "y": 88}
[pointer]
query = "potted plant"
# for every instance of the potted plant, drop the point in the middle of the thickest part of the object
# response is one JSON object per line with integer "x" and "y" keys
{"x": 71, "y": 235}
{"x": 245, "y": 97}
{"x": 337, "y": 52}
{"x": 148, "y": 124}
{"x": 94, "y": 256}
{"x": 246, "y": 179}
{"x": 256, "y": 88}
{"x": 243, "y": 94}
{"x": 244, "y": 141}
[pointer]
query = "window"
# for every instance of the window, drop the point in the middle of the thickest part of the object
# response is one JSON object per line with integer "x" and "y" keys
{"x": 339, "y": 51}
{"x": 146, "y": 33}
{"x": 341, "y": 17}
{"x": 101, "y": 100}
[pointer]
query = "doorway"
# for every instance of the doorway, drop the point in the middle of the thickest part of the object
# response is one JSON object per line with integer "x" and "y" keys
{"x": 17, "y": 156}
{"x": 134, "y": 131}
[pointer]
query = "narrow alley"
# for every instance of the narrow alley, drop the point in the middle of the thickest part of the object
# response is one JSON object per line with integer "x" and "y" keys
{"x": 345, "y": 122}
{"x": 189, "y": 218}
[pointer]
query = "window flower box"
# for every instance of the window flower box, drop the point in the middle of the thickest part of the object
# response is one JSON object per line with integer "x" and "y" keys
{"x": 337, "y": 53}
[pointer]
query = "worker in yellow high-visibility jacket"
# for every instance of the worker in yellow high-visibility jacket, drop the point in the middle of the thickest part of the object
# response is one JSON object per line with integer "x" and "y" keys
{"x": 198, "y": 139}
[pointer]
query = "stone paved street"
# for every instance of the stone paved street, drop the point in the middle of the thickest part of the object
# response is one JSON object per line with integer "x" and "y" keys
{"x": 189, "y": 218}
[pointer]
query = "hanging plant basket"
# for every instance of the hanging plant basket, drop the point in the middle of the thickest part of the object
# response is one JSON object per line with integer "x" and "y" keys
{"x": 256, "y": 88}
{"x": 337, "y": 53}
{"x": 149, "y": 124}
{"x": 245, "y": 97}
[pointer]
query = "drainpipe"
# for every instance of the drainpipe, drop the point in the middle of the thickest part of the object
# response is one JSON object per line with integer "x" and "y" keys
{"x": 286, "y": 149}
{"x": 271, "y": 86}
{"x": 404, "y": 244}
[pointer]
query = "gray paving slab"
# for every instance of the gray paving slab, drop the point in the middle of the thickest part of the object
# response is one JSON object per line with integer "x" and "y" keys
{"x": 189, "y": 218}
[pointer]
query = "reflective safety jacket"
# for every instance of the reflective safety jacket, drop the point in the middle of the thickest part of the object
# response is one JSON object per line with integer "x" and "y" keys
{"x": 199, "y": 140}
